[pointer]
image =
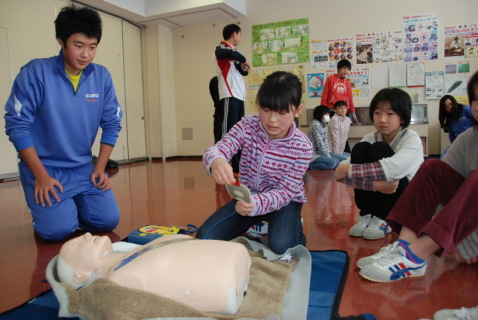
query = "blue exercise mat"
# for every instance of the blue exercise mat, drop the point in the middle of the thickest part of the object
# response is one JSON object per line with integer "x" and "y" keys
{"x": 329, "y": 271}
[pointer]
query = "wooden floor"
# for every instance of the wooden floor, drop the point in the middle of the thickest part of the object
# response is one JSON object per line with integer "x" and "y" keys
{"x": 180, "y": 192}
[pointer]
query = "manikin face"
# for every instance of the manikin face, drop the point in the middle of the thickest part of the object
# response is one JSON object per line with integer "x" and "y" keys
{"x": 84, "y": 253}
{"x": 79, "y": 52}
{"x": 386, "y": 121}
{"x": 277, "y": 124}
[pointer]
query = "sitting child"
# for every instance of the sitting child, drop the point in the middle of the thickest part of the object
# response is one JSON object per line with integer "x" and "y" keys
{"x": 338, "y": 128}
{"x": 449, "y": 185}
{"x": 383, "y": 163}
{"x": 322, "y": 159}
{"x": 275, "y": 156}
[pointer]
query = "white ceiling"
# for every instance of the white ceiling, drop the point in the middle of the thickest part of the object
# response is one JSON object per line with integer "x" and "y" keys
{"x": 171, "y": 13}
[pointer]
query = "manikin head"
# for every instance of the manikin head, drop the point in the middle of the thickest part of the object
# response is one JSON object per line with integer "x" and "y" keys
{"x": 80, "y": 259}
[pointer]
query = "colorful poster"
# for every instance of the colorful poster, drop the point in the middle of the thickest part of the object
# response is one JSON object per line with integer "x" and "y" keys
{"x": 471, "y": 45}
{"x": 379, "y": 47}
{"x": 257, "y": 76}
{"x": 319, "y": 54}
{"x": 283, "y": 42}
{"x": 338, "y": 49}
{"x": 434, "y": 85}
{"x": 360, "y": 81}
{"x": 461, "y": 41}
{"x": 420, "y": 37}
{"x": 315, "y": 85}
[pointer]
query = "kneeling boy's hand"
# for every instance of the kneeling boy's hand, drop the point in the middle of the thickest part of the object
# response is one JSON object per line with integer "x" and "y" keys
{"x": 100, "y": 180}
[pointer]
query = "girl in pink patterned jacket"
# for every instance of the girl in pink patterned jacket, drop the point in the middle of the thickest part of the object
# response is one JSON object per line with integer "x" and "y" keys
{"x": 275, "y": 157}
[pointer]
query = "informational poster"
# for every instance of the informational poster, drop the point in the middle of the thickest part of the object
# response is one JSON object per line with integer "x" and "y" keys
{"x": 338, "y": 49}
{"x": 471, "y": 45}
{"x": 415, "y": 75}
{"x": 360, "y": 81}
{"x": 434, "y": 85}
{"x": 455, "y": 84}
{"x": 319, "y": 54}
{"x": 258, "y": 75}
{"x": 380, "y": 77}
{"x": 397, "y": 75}
{"x": 315, "y": 85}
{"x": 379, "y": 47}
{"x": 461, "y": 41}
{"x": 457, "y": 67}
{"x": 277, "y": 43}
{"x": 420, "y": 37}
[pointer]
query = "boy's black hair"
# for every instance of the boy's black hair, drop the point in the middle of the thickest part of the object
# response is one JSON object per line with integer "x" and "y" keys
{"x": 73, "y": 19}
{"x": 320, "y": 111}
{"x": 339, "y": 103}
{"x": 280, "y": 91}
{"x": 344, "y": 63}
{"x": 229, "y": 30}
{"x": 399, "y": 101}
{"x": 444, "y": 117}
{"x": 470, "y": 89}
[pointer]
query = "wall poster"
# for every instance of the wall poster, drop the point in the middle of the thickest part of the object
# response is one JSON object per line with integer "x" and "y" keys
{"x": 461, "y": 41}
{"x": 340, "y": 48}
{"x": 319, "y": 54}
{"x": 278, "y": 43}
{"x": 379, "y": 47}
{"x": 315, "y": 85}
{"x": 434, "y": 85}
{"x": 257, "y": 76}
{"x": 420, "y": 37}
{"x": 360, "y": 81}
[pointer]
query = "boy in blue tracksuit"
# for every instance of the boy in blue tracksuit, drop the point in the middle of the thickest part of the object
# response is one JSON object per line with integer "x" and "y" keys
{"x": 52, "y": 117}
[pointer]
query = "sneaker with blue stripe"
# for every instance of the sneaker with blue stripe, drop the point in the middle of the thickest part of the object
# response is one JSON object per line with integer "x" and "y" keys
{"x": 377, "y": 229}
{"x": 362, "y": 262}
{"x": 392, "y": 267}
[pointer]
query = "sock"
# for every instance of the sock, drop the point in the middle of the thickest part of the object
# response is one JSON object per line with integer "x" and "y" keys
{"x": 409, "y": 253}
{"x": 403, "y": 243}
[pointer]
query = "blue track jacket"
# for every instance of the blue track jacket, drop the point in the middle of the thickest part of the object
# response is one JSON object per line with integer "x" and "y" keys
{"x": 44, "y": 111}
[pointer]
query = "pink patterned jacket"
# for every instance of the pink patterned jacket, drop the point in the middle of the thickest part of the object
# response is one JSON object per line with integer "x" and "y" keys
{"x": 271, "y": 169}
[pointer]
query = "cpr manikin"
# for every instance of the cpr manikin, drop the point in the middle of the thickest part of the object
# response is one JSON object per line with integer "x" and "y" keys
{"x": 209, "y": 275}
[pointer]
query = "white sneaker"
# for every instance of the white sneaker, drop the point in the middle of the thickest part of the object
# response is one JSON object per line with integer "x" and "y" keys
{"x": 362, "y": 262}
{"x": 457, "y": 314}
{"x": 361, "y": 223}
{"x": 376, "y": 229}
{"x": 392, "y": 267}
{"x": 259, "y": 229}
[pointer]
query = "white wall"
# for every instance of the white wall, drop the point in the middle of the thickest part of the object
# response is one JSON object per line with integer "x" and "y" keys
{"x": 193, "y": 49}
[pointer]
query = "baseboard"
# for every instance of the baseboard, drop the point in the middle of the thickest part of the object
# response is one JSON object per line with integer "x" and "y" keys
{"x": 178, "y": 158}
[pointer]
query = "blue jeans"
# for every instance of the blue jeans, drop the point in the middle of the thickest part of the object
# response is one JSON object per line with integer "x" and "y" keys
{"x": 324, "y": 163}
{"x": 285, "y": 226}
{"x": 327, "y": 163}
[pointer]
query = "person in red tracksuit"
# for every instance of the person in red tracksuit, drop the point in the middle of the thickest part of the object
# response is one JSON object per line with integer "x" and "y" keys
{"x": 337, "y": 87}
